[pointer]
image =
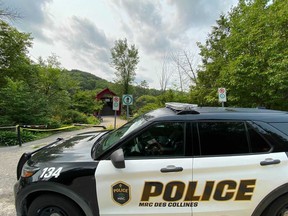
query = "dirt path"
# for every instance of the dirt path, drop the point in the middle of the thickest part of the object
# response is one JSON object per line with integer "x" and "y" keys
{"x": 9, "y": 157}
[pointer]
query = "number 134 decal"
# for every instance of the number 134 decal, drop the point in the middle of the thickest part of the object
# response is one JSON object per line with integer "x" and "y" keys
{"x": 49, "y": 172}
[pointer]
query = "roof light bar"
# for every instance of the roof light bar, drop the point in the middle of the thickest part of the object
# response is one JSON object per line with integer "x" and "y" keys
{"x": 180, "y": 106}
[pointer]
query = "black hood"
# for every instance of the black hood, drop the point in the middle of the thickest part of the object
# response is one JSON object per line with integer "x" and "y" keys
{"x": 77, "y": 148}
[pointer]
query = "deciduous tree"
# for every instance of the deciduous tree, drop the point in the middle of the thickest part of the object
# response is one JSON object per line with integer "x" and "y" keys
{"x": 13, "y": 48}
{"x": 124, "y": 60}
{"x": 247, "y": 52}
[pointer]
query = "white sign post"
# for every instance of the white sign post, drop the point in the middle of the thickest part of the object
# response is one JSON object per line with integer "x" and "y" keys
{"x": 116, "y": 106}
{"x": 222, "y": 95}
{"x": 127, "y": 100}
{"x": 116, "y": 103}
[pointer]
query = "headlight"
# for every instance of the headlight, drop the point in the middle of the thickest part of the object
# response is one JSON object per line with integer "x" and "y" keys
{"x": 28, "y": 171}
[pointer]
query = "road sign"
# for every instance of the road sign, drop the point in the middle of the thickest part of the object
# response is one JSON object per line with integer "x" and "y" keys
{"x": 116, "y": 103}
{"x": 222, "y": 95}
{"x": 127, "y": 99}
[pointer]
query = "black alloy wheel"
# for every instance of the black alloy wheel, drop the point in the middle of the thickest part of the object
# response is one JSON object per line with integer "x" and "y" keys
{"x": 53, "y": 205}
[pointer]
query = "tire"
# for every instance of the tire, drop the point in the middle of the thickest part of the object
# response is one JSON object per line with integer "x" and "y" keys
{"x": 278, "y": 208}
{"x": 53, "y": 205}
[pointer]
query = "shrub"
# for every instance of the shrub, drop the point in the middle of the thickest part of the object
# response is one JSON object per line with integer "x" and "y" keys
{"x": 93, "y": 120}
{"x": 53, "y": 123}
{"x": 10, "y": 138}
{"x": 73, "y": 116}
{"x": 145, "y": 99}
{"x": 5, "y": 120}
{"x": 148, "y": 107}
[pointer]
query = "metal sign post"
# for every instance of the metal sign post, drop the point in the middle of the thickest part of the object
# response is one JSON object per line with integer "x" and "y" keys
{"x": 222, "y": 95}
{"x": 127, "y": 100}
{"x": 116, "y": 106}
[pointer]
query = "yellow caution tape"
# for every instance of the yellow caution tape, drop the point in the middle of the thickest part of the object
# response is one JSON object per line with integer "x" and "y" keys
{"x": 55, "y": 129}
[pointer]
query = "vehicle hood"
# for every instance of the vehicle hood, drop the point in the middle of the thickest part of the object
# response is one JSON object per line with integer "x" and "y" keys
{"x": 74, "y": 149}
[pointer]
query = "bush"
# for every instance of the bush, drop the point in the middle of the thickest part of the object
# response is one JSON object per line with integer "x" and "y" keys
{"x": 145, "y": 99}
{"x": 5, "y": 120}
{"x": 148, "y": 107}
{"x": 27, "y": 136}
{"x": 10, "y": 138}
{"x": 93, "y": 120}
{"x": 73, "y": 116}
{"x": 53, "y": 123}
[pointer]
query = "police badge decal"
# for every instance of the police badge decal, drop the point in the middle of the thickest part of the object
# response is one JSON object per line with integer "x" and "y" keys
{"x": 121, "y": 192}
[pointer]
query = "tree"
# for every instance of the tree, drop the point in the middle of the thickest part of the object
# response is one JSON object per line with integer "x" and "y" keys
{"x": 146, "y": 103}
{"x": 13, "y": 47}
{"x": 165, "y": 75}
{"x": 141, "y": 89}
{"x": 55, "y": 85}
{"x": 213, "y": 60}
{"x": 85, "y": 102}
{"x": 22, "y": 105}
{"x": 258, "y": 51}
{"x": 7, "y": 13}
{"x": 124, "y": 60}
{"x": 247, "y": 53}
{"x": 186, "y": 67}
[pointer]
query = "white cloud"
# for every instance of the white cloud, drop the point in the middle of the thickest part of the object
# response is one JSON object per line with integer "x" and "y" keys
{"x": 35, "y": 17}
{"x": 82, "y": 32}
{"x": 88, "y": 44}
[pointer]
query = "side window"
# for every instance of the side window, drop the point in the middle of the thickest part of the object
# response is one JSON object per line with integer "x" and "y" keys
{"x": 257, "y": 142}
{"x": 161, "y": 139}
{"x": 218, "y": 138}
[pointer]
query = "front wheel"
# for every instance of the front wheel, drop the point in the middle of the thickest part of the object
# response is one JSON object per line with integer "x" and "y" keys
{"x": 53, "y": 205}
{"x": 278, "y": 208}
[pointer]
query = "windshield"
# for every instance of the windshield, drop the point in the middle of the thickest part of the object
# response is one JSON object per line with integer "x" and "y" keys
{"x": 113, "y": 137}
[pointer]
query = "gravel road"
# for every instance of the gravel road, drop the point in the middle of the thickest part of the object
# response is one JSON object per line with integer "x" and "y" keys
{"x": 9, "y": 157}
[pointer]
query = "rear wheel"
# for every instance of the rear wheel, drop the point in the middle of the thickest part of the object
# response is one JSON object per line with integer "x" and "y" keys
{"x": 53, "y": 205}
{"x": 278, "y": 208}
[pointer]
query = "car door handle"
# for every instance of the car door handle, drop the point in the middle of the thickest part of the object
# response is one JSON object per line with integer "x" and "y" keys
{"x": 269, "y": 161}
{"x": 171, "y": 168}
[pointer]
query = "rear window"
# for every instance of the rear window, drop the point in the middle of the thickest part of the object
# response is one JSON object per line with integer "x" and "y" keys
{"x": 218, "y": 138}
{"x": 226, "y": 138}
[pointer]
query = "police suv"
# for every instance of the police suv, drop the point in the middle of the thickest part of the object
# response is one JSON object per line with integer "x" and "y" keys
{"x": 178, "y": 160}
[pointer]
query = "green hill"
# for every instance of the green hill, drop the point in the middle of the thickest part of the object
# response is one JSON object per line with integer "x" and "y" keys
{"x": 88, "y": 81}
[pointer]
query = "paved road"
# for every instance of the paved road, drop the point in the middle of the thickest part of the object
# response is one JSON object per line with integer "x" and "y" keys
{"x": 9, "y": 157}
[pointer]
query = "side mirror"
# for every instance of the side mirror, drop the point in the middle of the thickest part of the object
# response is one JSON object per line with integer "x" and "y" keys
{"x": 117, "y": 158}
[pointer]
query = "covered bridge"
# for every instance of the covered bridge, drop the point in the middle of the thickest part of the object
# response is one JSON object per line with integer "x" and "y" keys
{"x": 106, "y": 95}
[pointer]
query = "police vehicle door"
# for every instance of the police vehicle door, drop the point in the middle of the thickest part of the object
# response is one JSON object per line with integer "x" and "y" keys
{"x": 154, "y": 180}
{"x": 227, "y": 174}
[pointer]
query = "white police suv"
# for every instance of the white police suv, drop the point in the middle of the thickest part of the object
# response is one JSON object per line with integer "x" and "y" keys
{"x": 178, "y": 160}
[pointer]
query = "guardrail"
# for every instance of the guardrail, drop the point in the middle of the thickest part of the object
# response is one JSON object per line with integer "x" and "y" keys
{"x": 42, "y": 128}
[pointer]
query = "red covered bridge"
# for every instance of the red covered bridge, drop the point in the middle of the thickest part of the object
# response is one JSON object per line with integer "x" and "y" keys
{"x": 106, "y": 95}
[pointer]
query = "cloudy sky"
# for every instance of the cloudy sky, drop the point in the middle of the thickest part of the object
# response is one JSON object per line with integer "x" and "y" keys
{"x": 82, "y": 32}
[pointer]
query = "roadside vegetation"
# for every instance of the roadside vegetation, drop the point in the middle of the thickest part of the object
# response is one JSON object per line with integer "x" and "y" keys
{"x": 9, "y": 138}
{"x": 246, "y": 52}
